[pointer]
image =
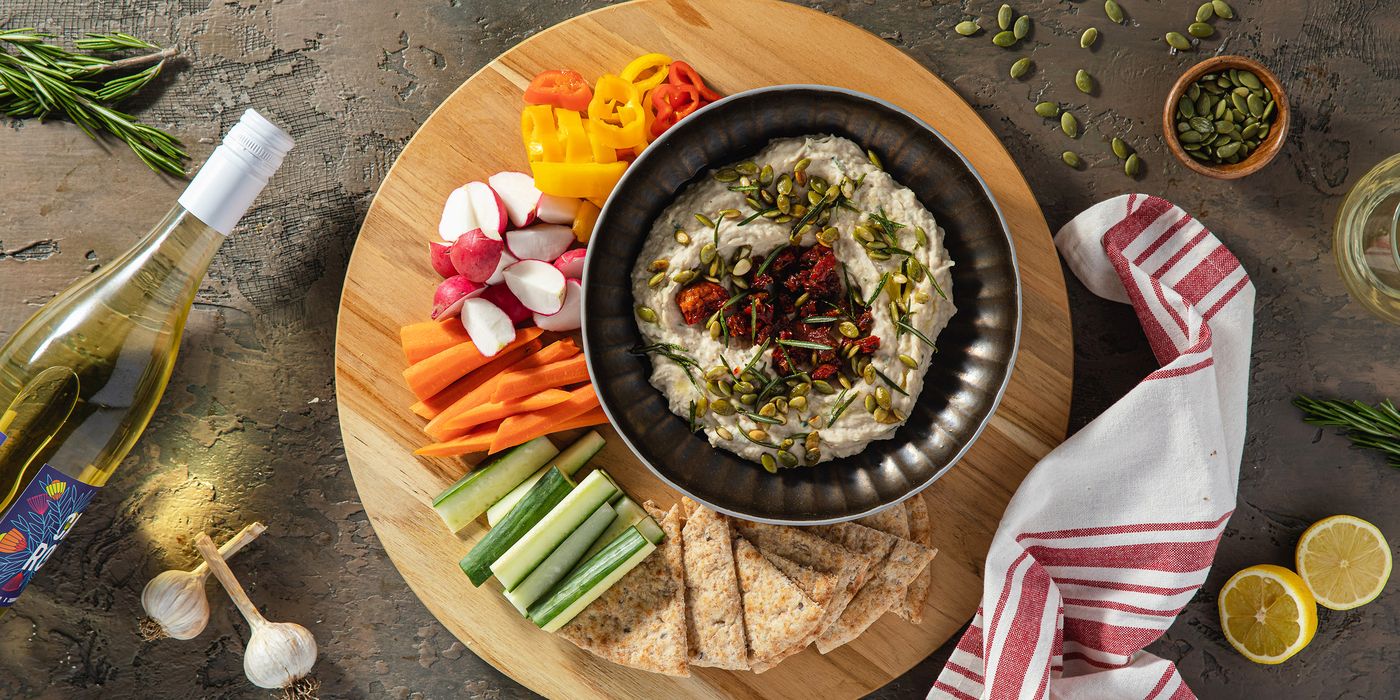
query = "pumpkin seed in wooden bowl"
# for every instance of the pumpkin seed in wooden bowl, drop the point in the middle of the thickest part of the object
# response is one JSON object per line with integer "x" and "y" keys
{"x": 1235, "y": 117}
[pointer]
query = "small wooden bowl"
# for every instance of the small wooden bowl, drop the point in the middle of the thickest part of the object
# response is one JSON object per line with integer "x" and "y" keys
{"x": 1262, "y": 155}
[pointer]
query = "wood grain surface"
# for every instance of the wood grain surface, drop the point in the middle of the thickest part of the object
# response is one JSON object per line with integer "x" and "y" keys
{"x": 476, "y": 133}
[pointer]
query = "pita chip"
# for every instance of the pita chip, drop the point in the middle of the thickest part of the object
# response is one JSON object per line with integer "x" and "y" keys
{"x": 821, "y": 588}
{"x": 885, "y": 589}
{"x": 849, "y": 568}
{"x": 857, "y": 538}
{"x": 640, "y": 621}
{"x": 714, "y": 612}
{"x": 921, "y": 532}
{"x": 891, "y": 521}
{"x": 777, "y": 614}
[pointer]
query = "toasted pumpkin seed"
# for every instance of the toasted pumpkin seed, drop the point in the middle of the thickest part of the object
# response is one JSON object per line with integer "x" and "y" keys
{"x": 788, "y": 459}
{"x": 1004, "y": 39}
{"x": 811, "y": 457}
{"x": 704, "y": 221}
{"x": 1020, "y": 67}
{"x": 1250, "y": 80}
{"x": 1201, "y": 30}
{"x": 769, "y": 463}
{"x": 725, "y": 434}
{"x": 659, "y": 265}
{"x": 812, "y": 441}
{"x": 882, "y": 397}
{"x": 707, "y": 254}
{"x": 882, "y": 415}
{"x": 701, "y": 406}
{"x": 1113, "y": 11}
{"x": 743, "y": 387}
{"x": 1047, "y": 109}
{"x": 743, "y": 266}
{"x": 769, "y": 410}
{"x": 845, "y": 383}
{"x": 1177, "y": 41}
{"x": 1071, "y": 159}
{"x": 715, "y": 331}
{"x": 1088, "y": 38}
{"x": 1222, "y": 10}
{"x": 1004, "y": 16}
{"x": 748, "y": 399}
{"x": 1120, "y": 148}
{"x": 656, "y": 280}
{"x": 1022, "y": 26}
{"x": 747, "y": 167}
{"x": 646, "y": 314}
{"x": 870, "y": 404}
{"x": 967, "y": 28}
{"x": 765, "y": 176}
{"x": 1069, "y": 125}
{"x": 874, "y": 159}
{"x": 722, "y": 407}
{"x": 868, "y": 374}
{"x": 800, "y": 390}
{"x": 909, "y": 362}
{"x": 798, "y": 403}
{"x": 682, "y": 237}
{"x": 1204, "y": 12}
{"x": 683, "y": 277}
{"x": 849, "y": 329}
{"x": 1130, "y": 168}
{"x": 727, "y": 175}
{"x": 823, "y": 386}
{"x": 1084, "y": 82}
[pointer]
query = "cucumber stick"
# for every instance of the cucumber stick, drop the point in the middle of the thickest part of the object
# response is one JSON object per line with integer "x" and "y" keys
{"x": 557, "y": 565}
{"x": 517, "y": 562}
{"x": 570, "y": 596}
{"x": 463, "y": 501}
{"x": 628, "y": 514}
{"x": 569, "y": 461}
{"x": 541, "y": 499}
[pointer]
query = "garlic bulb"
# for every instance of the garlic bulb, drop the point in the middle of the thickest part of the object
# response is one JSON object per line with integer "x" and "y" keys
{"x": 279, "y": 654}
{"x": 175, "y": 600}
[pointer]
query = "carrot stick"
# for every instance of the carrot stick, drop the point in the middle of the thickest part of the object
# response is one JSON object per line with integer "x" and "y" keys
{"x": 521, "y": 383}
{"x": 475, "y": 441}
{"x": 477, "y": 415}
{"x": 423, "y": 340}
{"x": 593, "y": 417}
{"x": 439, "y": 371}
{"x": 524, "y": 427}
{"x": 557, "y": 351}
{"x": 437, "y": 403}
{"x": 481, "y": 394}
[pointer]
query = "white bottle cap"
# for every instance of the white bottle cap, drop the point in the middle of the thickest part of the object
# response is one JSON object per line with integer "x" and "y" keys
{"x": 237, "y": 171}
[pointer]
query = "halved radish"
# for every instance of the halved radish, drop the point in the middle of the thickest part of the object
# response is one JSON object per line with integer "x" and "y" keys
{"x": 498, "y": 277}
{"x": 543, "y": 242}
{"x": 570, "y": 315}
{"x": 458, "y": 217}
{"x": 489, "y": 327}
{"x": 490, "y": 211}
{"x": 538, "y": 285}
{"x": 501, "y": 296}
{"x": 518, "y": 192}
{"x": 439, "y": 254}
{"x": 570, "y": 262}
{"x": 475, "y": 255}
{"x": 451, "y": 292}
{"x": 553, "y": 209}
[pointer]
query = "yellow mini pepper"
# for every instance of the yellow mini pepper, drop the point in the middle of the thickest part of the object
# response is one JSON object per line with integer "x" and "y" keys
{"x": 577, "y": 179}
{"x": 540, "y": 136}
{"x": 575, "y": 138}
{"x": 656, "y": 62}
{"x": 616, "y": 113}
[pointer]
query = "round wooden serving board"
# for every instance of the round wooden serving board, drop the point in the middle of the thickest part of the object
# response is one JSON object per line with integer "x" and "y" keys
{"x": 476, "y": 133}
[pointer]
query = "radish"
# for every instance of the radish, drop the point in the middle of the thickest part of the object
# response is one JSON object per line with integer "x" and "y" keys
{"x": 570, "y": 262}
{"x": 490, "y": 211}
{"x": 439, "y": 254}
{"x": 538, "y": 285}
{"x": 451, "y": 292}
{"x": 458, "y": 217}
{"x": 543, "y": 242}
{"x": 475, "y": 255}
{"x": 518, "y": 192}
{"x": 501, "y": 296}
{"x": 553, "y": 209}
{"x": 498, "y": 277}
{"x": 570, "y": 316}
{"x": 489, "y": 327}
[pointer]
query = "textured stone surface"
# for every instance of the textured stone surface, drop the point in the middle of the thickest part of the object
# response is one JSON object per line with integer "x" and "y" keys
{"x": 248, "y": 427}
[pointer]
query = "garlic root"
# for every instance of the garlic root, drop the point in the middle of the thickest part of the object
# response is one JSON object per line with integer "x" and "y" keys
{"x": 279, "y": 655}
{"x": 175, "y": 600}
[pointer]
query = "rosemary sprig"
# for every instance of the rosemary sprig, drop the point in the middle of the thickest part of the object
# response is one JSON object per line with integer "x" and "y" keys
{"x": 805, "y": 344}
{"x": 756, "y": 355}
{"x": 841, "y": 407}
{"x": 1369, "y": 428}
{"x": 672, "y": 352}
{"x": 889, "y": 381}
{"x": 884, "y": 280}
{"x": 906, "y": 327}
{"x": 755, "y": 215}
{"x": 819, "y": 319}
{"x": 769, "y": 261}
{"x": 42, "y": 80}
{"x": 769, "y": 445}
{"x": 760, "y": 419}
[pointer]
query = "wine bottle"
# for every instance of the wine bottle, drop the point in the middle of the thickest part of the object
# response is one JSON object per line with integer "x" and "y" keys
{"x": 82, "y": 377}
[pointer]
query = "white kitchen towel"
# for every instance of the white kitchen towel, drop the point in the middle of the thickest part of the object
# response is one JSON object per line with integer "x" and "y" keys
{"x": 1113, "y": 532}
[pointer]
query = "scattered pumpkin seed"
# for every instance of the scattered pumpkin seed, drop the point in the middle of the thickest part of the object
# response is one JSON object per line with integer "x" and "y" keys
{"x": 727, "y": 175}
{"x": 656, "y": 280}
{"x": 659, "y": 265}
{"x": 874, "y": 159}
{"x": 743, "y": 266}
{"x": 1020, "y": 67}
{"x": 722, "y": 407}
{"x": 1084, "y": 82}
{"x": 707, "y": 254}
{"x": 1004, "y": 39}
{"x": 1069, "y": 125}
{"x": 701, "y": 406}
{"x": 800, "y": 390}
{"x": 870, "y": 404}
{"x": 769, "y": 463}
{"x": 725, "y": 434}
{"x": 683, "y": 277}
{"x": 798, "y": 403}
{"x": 849, "y": 329}
{"x": 646, "y": 314}
{"x": 1177, "y": 41}
{"x": 909, "y": 362}
{"x": 823, "y": 386}
{"x": 1201, "y": 30}
{"x": 769, "y": 410}
{"x": 1131, "y": 167}
{"x": 1204, "y": 12}
{"x": 747, "y": 167}
{"x": 1222, "y": 10}
{"x": 1004, "y": 16}
{"x": 682, "y": 237}
{"x": 1047, "y": 109}
{"x": 1088, "y": 38}
{"x": 704, "y": 221}
{"x": 743, "y": 387}
{"x": 967, "y": 28}
{"x": 1113, "y": 11}
{"x": 748, "y": 399}
{"x": 1120, "y": 148}
{"x": 1022, "y": 26}
{"x": 882, "y": 415}
{"x": 1071, "y": 159}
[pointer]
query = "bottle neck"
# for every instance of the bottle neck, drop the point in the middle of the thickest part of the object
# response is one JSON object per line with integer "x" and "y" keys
{"x": 170, "y": 262}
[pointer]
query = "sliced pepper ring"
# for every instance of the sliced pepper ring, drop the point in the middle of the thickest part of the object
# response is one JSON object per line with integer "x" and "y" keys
{"x": 559, "y": 88}
{"x": 681, "y": 73}
{"x": 616, "y": 113}
{"x": 655, "y": 62}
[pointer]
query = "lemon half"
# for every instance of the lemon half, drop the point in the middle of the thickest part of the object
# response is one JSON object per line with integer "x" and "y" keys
{"x": 1345, "y": 561}
{"x": 1267, "y": 613}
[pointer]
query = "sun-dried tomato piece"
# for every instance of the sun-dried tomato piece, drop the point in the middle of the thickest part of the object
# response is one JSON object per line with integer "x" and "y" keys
{"x": 700, "y": 301}
{"x": 825, "y": 371}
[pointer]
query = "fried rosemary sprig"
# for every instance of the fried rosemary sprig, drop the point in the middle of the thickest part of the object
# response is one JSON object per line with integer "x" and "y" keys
{"x": 42, "y": 80}
{"x": 1369, "y": 428}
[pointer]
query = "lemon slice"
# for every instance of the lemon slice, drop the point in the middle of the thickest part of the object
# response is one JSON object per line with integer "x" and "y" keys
{"x": 1267, "y": 612}
{"x": 1345, "y": 562}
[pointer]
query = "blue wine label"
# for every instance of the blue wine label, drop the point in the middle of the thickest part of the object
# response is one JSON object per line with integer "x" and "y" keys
{"x": 34, "y": 526}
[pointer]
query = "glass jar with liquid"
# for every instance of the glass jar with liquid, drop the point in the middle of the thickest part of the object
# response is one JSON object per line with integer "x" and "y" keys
{"x": 1365, "y": 240}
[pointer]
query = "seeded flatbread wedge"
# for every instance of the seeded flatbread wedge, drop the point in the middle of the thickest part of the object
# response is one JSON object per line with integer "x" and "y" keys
{"x": 713, "y": 606}
{"x": 857, "y": 538}
{"x": 777, "y": 614}
{"x": 640, "y": 621}
{"x": 818, "y": 586}
{"x": 885, "y": 589}
{"x": 849, "y": 568}
{"x": 891, "y": 521}
{"x": 920, "y": 531}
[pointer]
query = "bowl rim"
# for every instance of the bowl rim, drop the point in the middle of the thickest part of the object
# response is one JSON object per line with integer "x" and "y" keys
{"x": 1271, "y": 146}
{"x": 651, "y": 150}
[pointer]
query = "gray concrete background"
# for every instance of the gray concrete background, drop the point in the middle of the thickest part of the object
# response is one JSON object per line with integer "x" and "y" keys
{"x": 248, "y": 426}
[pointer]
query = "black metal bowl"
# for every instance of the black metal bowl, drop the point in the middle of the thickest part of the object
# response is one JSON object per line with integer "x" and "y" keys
{"x": 965, "y": 379}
